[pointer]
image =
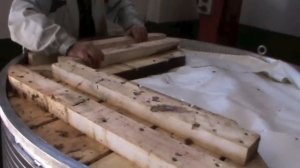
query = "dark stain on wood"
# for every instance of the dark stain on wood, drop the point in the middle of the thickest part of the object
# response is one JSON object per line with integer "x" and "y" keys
{"x": 222, "y": 158}
{"x": 80, "y": 102}
{"x": 188, "y": 141}
{"x": 76, "y": 158}
{"x": 155, "y": 99}
{"x": 74, "y": 150}
{"x": 100, "y": 101}
{"x": 59, "y": 146}
{"x": 178, "y": 154}
{"x": 104, "y": 120}
{"x": 167, "y": 108}
{"x": 80, "y": 83}
{"x": 100, "y": 80}
{"x": 197, "y": 108}
{"x": 34, "y": 97}
{"x": 24, "y": 96}
{"x": 63, "y": 134}
{"x": 138, "y": 93}
{"x": 195, "y": 125}
{"x": 154, "y": 127}
{"x": 80, "y": 134}
{"x": 52, "y": 97}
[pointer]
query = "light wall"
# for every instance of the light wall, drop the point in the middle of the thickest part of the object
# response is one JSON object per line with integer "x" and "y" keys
{"x": 281, "y": 16}
{"x": 162, "y": 11}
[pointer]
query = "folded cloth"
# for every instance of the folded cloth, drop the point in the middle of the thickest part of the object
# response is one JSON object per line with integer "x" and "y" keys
{"x": 275, "y": 69}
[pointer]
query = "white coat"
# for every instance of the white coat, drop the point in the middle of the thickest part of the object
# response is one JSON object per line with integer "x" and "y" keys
{"x": 52, "y": 26}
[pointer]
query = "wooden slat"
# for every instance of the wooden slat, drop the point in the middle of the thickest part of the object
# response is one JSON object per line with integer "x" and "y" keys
{"x": 143, "y": 67}
{"x": 134, "y": 51}
{"x": 211, "y": 131}
{"x": 126, "y": 40}
{"x": 257, "y": 162}
{"x": 113, "y": 161}
{"x": 117, "y": 68}
{"x": 72, "y": 142}
{"x": 138, "y": 143}
{"x": 44, "y": 70}
{"x": 58, "y": 133}
{"x": 32, "y": 115}
{"x": 139, "y": 50}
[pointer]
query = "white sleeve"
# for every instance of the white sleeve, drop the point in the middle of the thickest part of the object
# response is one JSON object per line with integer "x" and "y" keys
{"x": 124, "y": 13}
{"x": 31, "y": 28}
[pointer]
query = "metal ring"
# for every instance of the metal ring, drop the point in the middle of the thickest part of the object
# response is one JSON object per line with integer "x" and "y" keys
{"x": 262, "y": 50}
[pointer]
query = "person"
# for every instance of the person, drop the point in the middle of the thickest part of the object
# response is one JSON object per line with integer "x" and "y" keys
{"x": 55, "y": 27}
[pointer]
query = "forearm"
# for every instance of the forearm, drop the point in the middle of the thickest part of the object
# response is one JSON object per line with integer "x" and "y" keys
{"x": 31, "y": 28}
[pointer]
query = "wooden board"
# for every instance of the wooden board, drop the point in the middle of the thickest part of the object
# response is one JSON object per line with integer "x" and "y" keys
{"x": 44, "y": 70}
{"x": 113, "y": 161}
{"x": 126, "y": 40}
{"x": 144, "y": 67}
{"x": 32, "y": 115}
{"x": 139, "y": 50}
{"x": 127, "y": 137}
{"x": 72, "y": 142}
{"x": 58, "y": 133}
{"x": 37, "y": 59}
{"x": 209, "y": 130}
{"x": 257, "y": 162}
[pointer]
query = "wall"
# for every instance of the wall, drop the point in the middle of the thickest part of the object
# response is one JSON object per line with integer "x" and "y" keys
{"x": 4, "y": 9}
{"x": 163, "y": 11}
{"x": 280, "y": 16}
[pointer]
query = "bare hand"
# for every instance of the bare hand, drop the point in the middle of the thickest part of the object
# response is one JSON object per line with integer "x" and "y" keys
{"x": 139, "y": 33}
{"x": 87, "y": 53}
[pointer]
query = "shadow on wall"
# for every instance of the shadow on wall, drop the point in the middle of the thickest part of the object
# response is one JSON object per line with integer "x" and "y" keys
{"x": 9, "y": 50}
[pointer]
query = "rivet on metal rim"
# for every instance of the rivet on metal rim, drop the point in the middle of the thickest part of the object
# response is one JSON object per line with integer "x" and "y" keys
{"x": 262, "y": 50}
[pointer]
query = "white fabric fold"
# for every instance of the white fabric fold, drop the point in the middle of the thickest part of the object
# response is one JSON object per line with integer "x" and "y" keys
{"x": 275, "y": 69}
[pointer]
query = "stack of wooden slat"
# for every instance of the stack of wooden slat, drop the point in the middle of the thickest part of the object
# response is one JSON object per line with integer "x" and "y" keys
{"x": 145, "y": 127}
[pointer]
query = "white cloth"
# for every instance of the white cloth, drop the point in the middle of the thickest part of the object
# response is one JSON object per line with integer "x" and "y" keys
{"x": 229, "y": 85}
